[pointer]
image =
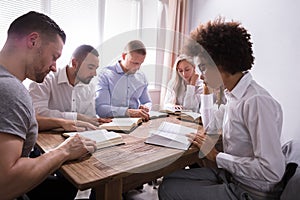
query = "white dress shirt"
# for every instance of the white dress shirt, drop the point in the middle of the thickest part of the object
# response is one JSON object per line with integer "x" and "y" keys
{"x": 188, "y": 98}
{"x": 251, "y": 124}
{"x": 56, "y": 97}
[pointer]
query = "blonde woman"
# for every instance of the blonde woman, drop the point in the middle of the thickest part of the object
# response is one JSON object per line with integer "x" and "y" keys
{"x": 185, "y": 87}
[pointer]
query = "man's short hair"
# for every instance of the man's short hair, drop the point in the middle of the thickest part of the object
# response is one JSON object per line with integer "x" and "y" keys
{"x": 135, "y": 46}
{"x": 82, "y": 51}
{"x": 34, "y": 21}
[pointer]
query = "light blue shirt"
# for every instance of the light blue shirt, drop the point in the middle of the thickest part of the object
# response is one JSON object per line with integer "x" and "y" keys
{"x": 117, "y": 91}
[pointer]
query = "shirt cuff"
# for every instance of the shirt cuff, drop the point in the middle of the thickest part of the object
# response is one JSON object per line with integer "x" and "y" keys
{"x": 119, "y": 111}
{"x": 222, "y": 158}
{"x": 71, "y": 115}
{"x": 207, "y": 101}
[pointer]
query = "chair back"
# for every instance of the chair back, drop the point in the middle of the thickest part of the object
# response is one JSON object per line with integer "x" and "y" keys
{"x": 289, "y": 172}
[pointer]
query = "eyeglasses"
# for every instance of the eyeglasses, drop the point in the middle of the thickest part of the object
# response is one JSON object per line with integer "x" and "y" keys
{"x": 202, "y": 68}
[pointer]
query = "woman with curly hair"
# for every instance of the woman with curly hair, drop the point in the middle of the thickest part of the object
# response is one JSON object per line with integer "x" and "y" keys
{"x": 251, "y": 164}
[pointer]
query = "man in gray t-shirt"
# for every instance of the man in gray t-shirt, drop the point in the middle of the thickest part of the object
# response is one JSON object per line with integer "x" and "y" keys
{"x": 34, "y": 43}
{"x": 16, "y": 114}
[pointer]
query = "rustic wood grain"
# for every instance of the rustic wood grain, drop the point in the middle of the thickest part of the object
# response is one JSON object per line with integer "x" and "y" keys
{"x": 117, "y": 169}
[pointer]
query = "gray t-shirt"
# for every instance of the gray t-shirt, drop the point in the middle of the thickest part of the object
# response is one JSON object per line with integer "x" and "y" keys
{"x": 17, "y": 115}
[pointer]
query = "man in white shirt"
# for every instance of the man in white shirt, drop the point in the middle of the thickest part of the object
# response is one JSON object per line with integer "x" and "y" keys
{"x": 68, "y": 92}
{"x": 252, "y": 162}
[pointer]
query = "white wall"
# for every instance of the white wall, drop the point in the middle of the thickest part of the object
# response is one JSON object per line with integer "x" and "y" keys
{"x": 275, "y": 29}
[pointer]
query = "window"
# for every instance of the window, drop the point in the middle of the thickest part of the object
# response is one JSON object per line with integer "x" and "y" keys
{"x": 127, "y": 20}
{"x": 121, "y": 16}
{"x": 105, "y": 24}
{"x": 9, "y": 10}
{"x": 79, "y": 19}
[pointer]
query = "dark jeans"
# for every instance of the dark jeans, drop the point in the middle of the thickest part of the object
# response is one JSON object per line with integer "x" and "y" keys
{"x": 93, "y": 195}
{"x": 207, "y": 184}
{"x": 54, "y": 187}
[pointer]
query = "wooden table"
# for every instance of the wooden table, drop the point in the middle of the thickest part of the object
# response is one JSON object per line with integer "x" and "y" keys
{"x": 114, "y": 170}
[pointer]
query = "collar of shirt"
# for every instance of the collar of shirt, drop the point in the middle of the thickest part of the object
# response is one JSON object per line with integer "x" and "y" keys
{"x": 62, "y": 76}
{"x": 118, "y": 68}
{"x": 240, "y": 88}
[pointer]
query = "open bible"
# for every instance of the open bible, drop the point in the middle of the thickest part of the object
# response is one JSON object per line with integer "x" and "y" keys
{"x": 171, "y": 135}
{"x": 172, "y": 109}
{"x": 103, "y": 138}
{"x": 126, "y": 124}
{"x": 190, "y": 116}
{"x": 157, "y": 114}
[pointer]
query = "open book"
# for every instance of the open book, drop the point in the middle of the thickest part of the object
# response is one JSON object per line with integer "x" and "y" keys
{"x": 103, "y": 138}
{"x": 171, "y": 111}
{"x": 156, "y": 114}
{"x": 125, "y": 125}
{"x": 171, "y": 135}
{"x": 190, "y": 116}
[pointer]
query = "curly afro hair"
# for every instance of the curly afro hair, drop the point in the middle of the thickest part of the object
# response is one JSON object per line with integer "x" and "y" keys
{"x": 227, "y": 43}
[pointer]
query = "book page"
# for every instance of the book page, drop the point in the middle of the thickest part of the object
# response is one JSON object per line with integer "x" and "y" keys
{"x": 176, "y": 137}
{"x": 96, "y": 135}
{"x": 156, "y": 114}
{"x": 176, "y": 128}
{"x": 171, "y": 135}
{"x": 194, "y": 115}
{"x": 121, "y": 122}
{"x": 170, "y": 108}
{"x": 162, "y": 141}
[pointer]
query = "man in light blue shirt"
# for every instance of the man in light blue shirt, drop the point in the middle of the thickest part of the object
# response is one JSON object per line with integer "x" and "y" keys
{"x": 122, "y": 88}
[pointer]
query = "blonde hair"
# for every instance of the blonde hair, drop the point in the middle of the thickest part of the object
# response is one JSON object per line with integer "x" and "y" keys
{"x": 177, "y": 85}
